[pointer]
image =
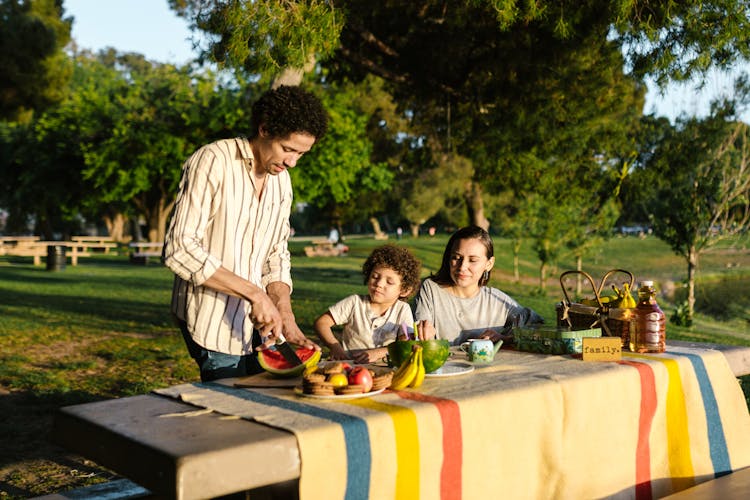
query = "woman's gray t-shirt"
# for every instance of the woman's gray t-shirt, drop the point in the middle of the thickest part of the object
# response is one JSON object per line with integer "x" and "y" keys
{"x": 458, "y": 319}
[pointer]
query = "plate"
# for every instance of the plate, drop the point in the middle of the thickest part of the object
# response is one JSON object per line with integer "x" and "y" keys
{"x": 451, "y": 369}
{"x": 339, "y": 397}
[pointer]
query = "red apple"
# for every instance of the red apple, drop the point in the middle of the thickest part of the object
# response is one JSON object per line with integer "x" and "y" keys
{"x": 361, "y": 376}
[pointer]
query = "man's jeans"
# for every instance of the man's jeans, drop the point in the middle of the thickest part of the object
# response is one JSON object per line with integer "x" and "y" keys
{"x": 215, "y": 365}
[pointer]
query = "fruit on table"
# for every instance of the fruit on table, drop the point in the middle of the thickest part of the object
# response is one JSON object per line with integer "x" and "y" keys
{"x": 338, "y": 380}
{"x": 359, "y": 375}
{"x": 434, "y": 352}
{"x": 273, "y": 362}
{"x": 419, "y": 377}
{"x": 408, "y": 371}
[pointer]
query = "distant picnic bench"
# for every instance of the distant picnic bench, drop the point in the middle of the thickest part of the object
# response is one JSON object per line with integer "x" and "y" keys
{"x": 32, "y": 246}
{"x": 101, "y": 243}
{"x": 142, "y": 251}
{"x": 323, "y": 248}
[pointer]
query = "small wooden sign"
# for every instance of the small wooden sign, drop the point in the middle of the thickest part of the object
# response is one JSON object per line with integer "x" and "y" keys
{"x": 602, "y": 349}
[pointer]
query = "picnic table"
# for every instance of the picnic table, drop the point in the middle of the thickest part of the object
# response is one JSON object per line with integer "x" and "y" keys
{"x": 323, "y": 248}
{"x": 100, "y": 243}
{"x": 142, "y": 251}
{"x": 526, "y": 425}
{"x": 33, "y": 246}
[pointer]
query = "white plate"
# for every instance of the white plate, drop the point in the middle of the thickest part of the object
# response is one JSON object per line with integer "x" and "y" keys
{"x": 298, "y": 391}
{"x": 451, "y": 369}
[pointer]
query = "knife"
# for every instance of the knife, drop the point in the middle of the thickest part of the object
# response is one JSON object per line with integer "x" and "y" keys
{"x": 287, "y": 351}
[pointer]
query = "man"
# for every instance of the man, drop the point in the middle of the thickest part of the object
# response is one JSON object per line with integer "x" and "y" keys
{"x": 227, "y": 240}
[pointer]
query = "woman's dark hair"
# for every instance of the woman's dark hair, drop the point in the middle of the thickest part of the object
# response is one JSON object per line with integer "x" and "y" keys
{"x": 400, "y": 260}
{"x": 443, "y": 275}
{"x": 285, "y": 110}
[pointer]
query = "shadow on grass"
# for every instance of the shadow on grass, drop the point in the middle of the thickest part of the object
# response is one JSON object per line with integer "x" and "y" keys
{"x": 25, "y": 430}
{"x": 103, "y": 296}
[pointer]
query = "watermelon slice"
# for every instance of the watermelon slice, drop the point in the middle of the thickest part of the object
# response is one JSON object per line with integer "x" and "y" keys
{"x": 273, "y": 362}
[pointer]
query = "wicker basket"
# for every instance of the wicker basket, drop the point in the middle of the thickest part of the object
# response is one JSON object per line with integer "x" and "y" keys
{"x": 614, "y": 321}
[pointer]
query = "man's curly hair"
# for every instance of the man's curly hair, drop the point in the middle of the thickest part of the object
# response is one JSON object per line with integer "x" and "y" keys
{"x": 400, "y": 260}
{"x": 285, "y": 110}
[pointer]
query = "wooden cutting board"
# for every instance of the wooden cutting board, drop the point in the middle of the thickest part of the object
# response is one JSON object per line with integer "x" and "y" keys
{"x": 267, "y": 380}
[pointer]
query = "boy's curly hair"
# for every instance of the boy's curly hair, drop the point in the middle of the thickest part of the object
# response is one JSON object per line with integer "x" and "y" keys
{"x": 287, "y": 109}
{"x": 400, "y": 260}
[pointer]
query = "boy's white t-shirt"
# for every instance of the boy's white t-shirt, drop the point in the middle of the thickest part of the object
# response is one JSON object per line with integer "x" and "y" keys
{"x": 363, "y": 329}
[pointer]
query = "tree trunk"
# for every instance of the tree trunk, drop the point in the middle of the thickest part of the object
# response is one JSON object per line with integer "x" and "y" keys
{"x": 579, "y": 267}
{"x": 414, "y": 228}
{"x": 156, "y": 216}
{"x": 293, "y": 76}
{"x": 116, "y": 225}
{"x": 516, "y": 251}
{"x": 692, "y": 261}
{"x": 543, "y": 276}
{"x": 379, "y": 234}
{"x": 475, "y": 205}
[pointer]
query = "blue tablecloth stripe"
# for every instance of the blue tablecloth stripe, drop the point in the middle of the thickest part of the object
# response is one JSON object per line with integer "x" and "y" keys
{"x": 356, "y": 435}
{"x": 717, "y": 440}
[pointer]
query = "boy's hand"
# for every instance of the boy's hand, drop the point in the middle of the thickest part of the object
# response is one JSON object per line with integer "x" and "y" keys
{"x": 366, "y": 356}
{"x": 337, "y": 352}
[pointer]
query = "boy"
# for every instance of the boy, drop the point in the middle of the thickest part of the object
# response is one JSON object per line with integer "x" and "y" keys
{"x": 374, "y": 320}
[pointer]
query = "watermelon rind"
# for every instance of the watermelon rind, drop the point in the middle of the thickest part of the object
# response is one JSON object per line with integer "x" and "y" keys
{"x": 434, "y": 352}
{"x": 274, "y": 363}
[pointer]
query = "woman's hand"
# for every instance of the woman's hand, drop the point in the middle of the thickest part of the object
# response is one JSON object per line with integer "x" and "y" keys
{"x": 426, "y": 330}
{"x": 495, "y": 336}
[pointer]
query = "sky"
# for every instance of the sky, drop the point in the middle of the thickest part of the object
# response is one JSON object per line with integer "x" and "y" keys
{"x": 150, "y": 28}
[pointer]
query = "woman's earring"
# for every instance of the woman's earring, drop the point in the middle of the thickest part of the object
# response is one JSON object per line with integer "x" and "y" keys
{"x": 485, "y": 276}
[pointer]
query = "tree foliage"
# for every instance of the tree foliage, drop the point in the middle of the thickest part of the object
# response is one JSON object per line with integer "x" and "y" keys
{"x": 115, "y": 144}
{"x": 341, "y": 168}
{"x": 697, "y": 186}
{"x": 34, "y": 70}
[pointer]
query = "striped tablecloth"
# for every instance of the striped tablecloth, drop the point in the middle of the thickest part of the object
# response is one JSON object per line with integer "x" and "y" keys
{"x": 526, "y": 426}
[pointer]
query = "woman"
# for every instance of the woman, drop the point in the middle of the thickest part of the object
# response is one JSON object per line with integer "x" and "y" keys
{"x": 455, "y": 303}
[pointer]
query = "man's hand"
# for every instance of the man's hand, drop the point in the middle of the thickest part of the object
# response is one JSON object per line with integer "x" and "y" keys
{"x": 293, "y": 333}
{"x": 266, "y": 319}
{"x": 279, "y": 293}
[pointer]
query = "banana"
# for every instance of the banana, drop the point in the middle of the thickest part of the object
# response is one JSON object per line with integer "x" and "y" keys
{"x": 406, "y": 372}
{"x": 419, "y": 377}
{"x": 628, "y": 302}
{"x": 616, "y": 301}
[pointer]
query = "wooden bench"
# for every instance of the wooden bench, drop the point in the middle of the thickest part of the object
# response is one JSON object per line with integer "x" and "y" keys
{"x": 117, "y": 489}
{"x": 12, "y": 240}
{"x": 37, "y": 249}
{"x": 322, "y": 248}
{"x": 734, "y": 485}
{"x": 141, "y": 251}
{"x": 100, "y": 243}
{"x": 8, "y": 243}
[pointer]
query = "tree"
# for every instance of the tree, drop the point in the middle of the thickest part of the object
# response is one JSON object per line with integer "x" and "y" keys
{"x": 35, "y": 69}
{"x": 434, "y": 190}
{"x": 502, "y": 76}
{"x": 697, "y": 186}
{"x": 277, "y": 40}
{"x": 114, "y": 146}
{"x": 142, "y": 135}
{"x": 341, "y": 168}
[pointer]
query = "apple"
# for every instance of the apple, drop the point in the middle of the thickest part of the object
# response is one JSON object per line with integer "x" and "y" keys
{"x": 360, "y": 375}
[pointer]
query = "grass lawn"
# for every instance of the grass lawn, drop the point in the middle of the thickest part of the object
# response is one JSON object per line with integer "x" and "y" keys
{"x": 102, "y": 329}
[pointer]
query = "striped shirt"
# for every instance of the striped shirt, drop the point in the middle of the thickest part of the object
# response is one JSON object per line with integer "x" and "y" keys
{"x": 219, "y": 221}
